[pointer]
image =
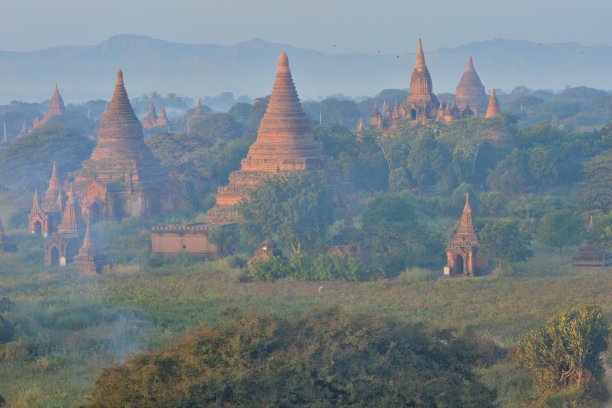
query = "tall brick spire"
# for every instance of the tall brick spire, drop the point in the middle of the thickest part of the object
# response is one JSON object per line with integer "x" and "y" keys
{"x": 421, "y": 88}
{"x": 71, "y": 218}
{"x": 285, "y": 142}
{"x": 493, "y": 108}
{"x": 50, "y": 198}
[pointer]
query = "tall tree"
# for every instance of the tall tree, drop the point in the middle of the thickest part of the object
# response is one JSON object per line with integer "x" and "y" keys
{"x": 504, "y": 241}
{"x": 294, "y": 208}
{"x": 561, "y": 228}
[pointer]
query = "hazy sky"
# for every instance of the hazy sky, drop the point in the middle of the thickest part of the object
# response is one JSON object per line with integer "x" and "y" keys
{"x": 350, "y": 25}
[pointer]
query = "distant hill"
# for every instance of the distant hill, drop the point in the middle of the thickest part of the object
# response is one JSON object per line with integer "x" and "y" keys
{"x": 194, "y": 70}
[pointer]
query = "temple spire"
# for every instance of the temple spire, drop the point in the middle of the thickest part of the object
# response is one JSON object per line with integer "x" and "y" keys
{"x": 420, "y": 57}
{"x": 70, "y": 217}
{"x": 53, "y": 189}
{"x": 470, "y": 63}
{"x": 493, "y": 107}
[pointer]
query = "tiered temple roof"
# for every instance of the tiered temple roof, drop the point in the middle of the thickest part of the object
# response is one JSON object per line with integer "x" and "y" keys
{"x": 56, "y": 108}
{"x": 421, "y": 88}
{"x": 493, "y": 107}
{"x": 150, "y": 120}
{"x": 120, "y": 160}
{"x": 196, "y": 116}
{"x": 88, "y": 260}
{"x": 50, "y": 201}
{"x": 471, "y": 92}
{"x": 285, "y": 142}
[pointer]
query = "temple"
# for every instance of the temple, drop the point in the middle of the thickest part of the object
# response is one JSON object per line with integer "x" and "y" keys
{"x": 122, "y": 177}
{"x": 470, "y": 93}
{"x": 62, "y": 245}
{"x": 45, "y": 216}
{"x": 196, "y": 117}
{"x": 493, "y": 107}
{"x": 88, "y": 261}
{"x": 267, "y": 249}
{"x": 284, "y": 143}
{"x": 153, "y": 120}
{"x": 422, "y": 107}
{"x": 462, "y": 250}
{"x": 56, "y": 108}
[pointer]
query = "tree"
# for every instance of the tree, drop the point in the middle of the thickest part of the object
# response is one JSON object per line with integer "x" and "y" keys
{"x": 561, "y": 228}
{"x": 543, "y": 166}
{"x": 218, "y": 126}
{"x": 503, "y": 240}
{"x": 597, "y": 186}
{"x": 224, "y": 237}
{"x": 511, "y": 175}
{"x": 322, "y": 358}
{"x": 565, "y": 352}
{"x": 294, "y": 208}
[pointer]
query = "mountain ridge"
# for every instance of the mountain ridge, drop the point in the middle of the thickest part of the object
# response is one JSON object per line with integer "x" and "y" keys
{"x": 247, "y": 68}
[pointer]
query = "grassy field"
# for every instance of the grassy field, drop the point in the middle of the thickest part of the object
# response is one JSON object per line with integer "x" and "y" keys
{"x": 68, "y": 327}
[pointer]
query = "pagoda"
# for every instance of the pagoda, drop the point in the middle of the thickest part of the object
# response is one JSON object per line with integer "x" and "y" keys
{"x": 122, "y": 177}
{"x": 62, "y": 245}
{"x": 56, "y": 108}
{"x": 88, "y": 261}
{"x": 196, "y": 117}
{"x": 421, "y": 103}
{"x": 462, "y": 250}
{"x": 470, "y": 93}
{"x": 45, "y": 216}
{"x": 493, "y": 107}
{"x": 150, "y": 120}
{"x": 284, "y": 143}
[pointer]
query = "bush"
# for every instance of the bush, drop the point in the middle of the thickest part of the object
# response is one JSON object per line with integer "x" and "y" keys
{"x": 417, "y": 275}
{"x": 322, "y": 358}
{"x": 271, "y": 269}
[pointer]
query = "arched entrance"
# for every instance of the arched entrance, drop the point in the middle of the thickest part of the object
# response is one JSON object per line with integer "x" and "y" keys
{"x": 38, "y": 227}
{"x": 413, "y": 114}
{"x": 54, "y": 256}
{"x": 458, "y": 265}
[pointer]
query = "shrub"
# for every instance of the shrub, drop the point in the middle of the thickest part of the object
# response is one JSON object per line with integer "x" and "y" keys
{"x": 6, "y": 330}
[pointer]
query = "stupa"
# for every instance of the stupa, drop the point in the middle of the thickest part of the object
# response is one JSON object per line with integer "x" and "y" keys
{"x": 493, "y": 107}
{"x": 462, "y": 250}
{"x": 284, "y": 143}
{"x": 470, "y": 91}
{"x": 62, "y": 245}
{"x": 56, "y": 108}
{"x": 122, "y": 177}
{"x": 88, "y": 261}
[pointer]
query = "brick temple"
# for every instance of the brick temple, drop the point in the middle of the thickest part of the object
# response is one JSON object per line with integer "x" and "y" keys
{"x": 284, "y": 143}
{"x": 461, "y": 252}
{"x": 122, "y": 178}
{"x": 422, "y": 106}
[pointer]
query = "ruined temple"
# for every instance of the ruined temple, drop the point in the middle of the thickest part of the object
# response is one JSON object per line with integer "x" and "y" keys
{"x": 88, "y": 261}
{"x": 462, "y": 250}
{"x": 284, "y": 143}
{"x": 267, "y": 249}
{"x": 470, "y": 93}
{"x": 493, "y": 107}
{"x": 162, "y": 119}
{"x": 122, "y": 177}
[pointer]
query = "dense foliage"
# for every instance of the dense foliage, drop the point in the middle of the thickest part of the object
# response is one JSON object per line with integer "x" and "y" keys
{"x": 565, "y": 352}
{"x": 294, "y": 208}
{"x": 322, "y": 358}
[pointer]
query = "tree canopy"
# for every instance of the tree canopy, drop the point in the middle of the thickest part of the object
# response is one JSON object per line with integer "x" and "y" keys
{"x": 322, "y": 358}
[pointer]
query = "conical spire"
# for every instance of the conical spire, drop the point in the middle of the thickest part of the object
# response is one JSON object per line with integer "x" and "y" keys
{"x": 52, "y": 190}
{"x": 493, "y": 108}
{"x": 284, "y": 131}
{"x": 420, "y": 57}
{"x": 360, "y": 126}
{"x": 120, "y": 134}
{"x": 470, "y": 91}
{"x": 35, "y": 202}
{"x": 466, "y": 234}
{"x": 56, "y": 105}
{"x": 198, "y": 107}
{"x": 86, "y": 248}
{"x": 88, "y": 261}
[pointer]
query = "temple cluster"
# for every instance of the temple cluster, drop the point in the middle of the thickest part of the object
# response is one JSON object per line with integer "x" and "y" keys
{"x": 422, "y": 106}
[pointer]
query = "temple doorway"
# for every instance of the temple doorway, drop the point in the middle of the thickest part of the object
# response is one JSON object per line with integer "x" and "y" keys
{"x": 458, "y": 265}
{"x": 37, "y": 227}
{"x": 54, "y": 256}
{"x": 413, "y": 114}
